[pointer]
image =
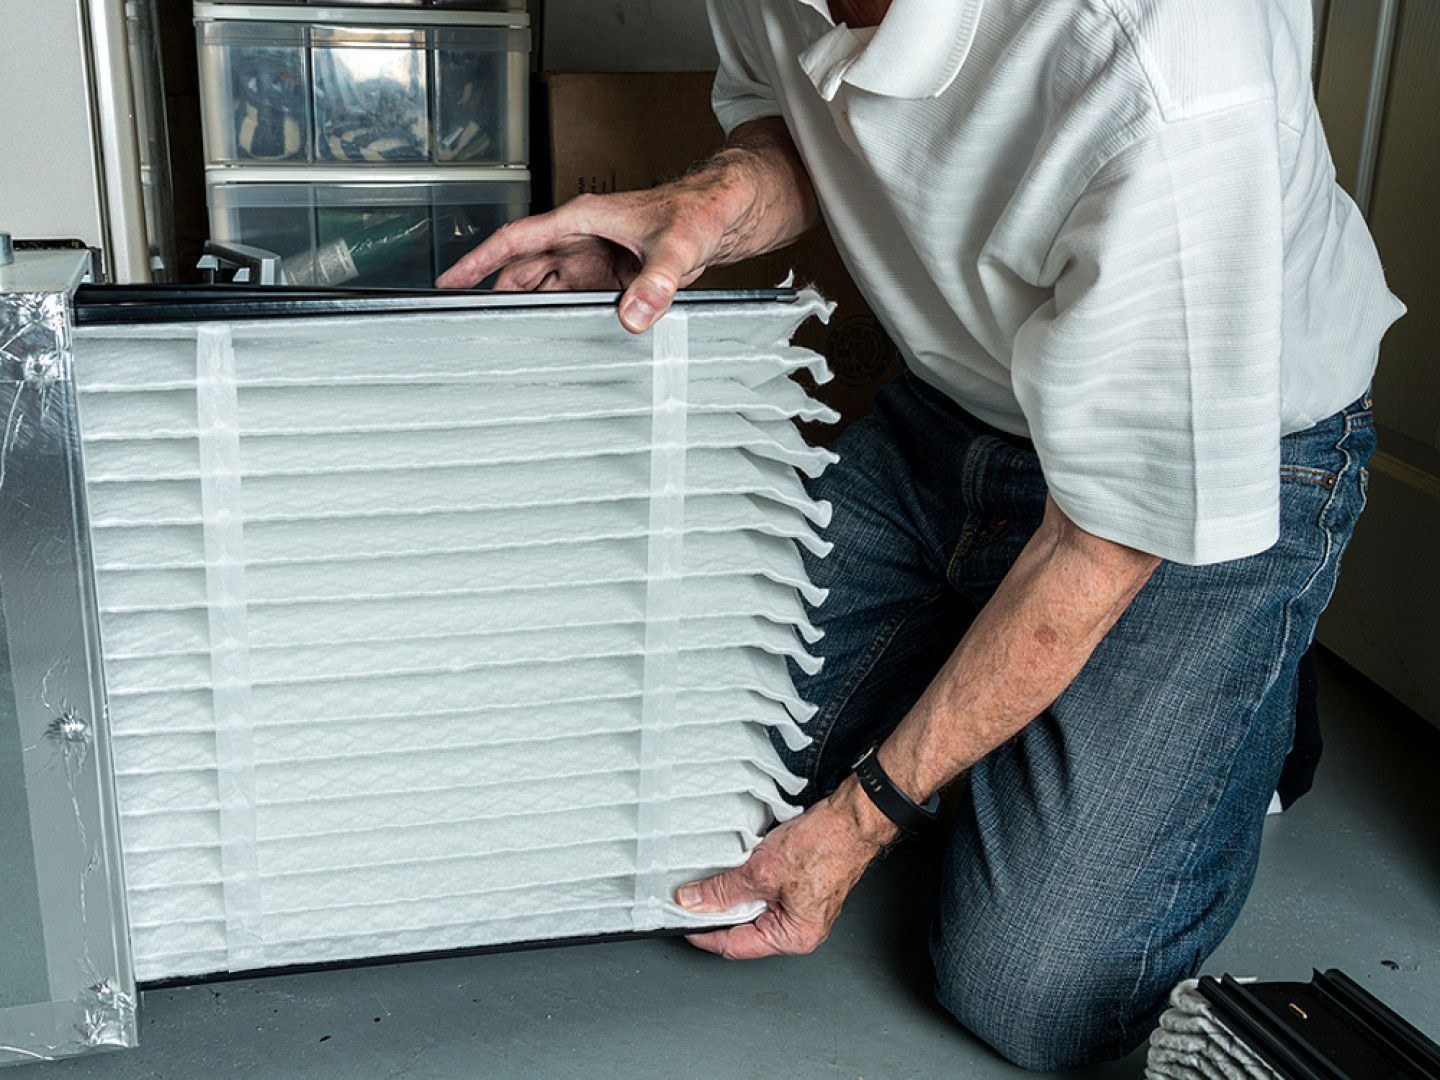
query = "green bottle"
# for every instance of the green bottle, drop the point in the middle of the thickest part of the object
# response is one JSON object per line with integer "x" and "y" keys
{"x": 367, "y": 251}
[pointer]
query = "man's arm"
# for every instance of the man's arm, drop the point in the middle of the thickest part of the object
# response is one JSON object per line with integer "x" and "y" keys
{"x": 1061, "y": 597}
{"x": 752, "y": 197}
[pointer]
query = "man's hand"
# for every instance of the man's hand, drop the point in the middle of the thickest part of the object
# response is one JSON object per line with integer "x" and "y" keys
{"x": 804, "y": 870}
{"x": 750, "y": 198}
{"x": 1062, "y": 596}
{"x": 648, "y": 243}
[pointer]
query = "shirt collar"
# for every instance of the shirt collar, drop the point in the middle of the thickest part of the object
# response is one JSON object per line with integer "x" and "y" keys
{"x": 915, "y": 52}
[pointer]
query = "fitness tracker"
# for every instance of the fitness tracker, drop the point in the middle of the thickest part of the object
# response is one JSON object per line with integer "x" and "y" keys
{"x": 909, "y": 816}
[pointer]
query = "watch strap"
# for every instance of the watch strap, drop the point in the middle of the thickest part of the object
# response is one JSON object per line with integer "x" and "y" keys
{"x": 909, "y": 816}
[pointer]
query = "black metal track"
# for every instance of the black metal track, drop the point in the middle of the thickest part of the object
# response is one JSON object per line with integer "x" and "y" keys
{"x": 109, "y": 305}
{"x": 1328, "y": 1029}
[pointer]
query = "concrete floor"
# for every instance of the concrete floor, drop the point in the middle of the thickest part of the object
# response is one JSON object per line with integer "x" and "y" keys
{"x": 1350, "y": 878}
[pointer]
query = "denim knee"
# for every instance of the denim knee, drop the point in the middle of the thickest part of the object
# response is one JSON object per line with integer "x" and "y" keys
{"x": 1046, "y": 1008}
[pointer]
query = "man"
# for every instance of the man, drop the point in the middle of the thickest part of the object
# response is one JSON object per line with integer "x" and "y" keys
{"x": 1082, "y": 544}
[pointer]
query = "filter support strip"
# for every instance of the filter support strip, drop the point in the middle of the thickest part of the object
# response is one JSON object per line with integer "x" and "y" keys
{"x": 670, "y": 341}
{"x": 218, "y": 419}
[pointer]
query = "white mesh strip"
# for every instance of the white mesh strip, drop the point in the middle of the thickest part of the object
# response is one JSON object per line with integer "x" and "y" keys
{"x": 219, "y": 447}
{"x": 668, "y": 442}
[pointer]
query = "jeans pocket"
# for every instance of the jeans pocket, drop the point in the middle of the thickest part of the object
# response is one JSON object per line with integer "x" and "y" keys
{"x": 1306, "y": 474}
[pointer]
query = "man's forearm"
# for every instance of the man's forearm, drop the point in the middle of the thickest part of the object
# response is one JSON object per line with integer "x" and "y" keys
{"x": 758, "y": 190}
{"x": 1061, "y": 597}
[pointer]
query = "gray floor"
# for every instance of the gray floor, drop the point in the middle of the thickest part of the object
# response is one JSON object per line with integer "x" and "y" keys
{"x": 1350, "y": 878}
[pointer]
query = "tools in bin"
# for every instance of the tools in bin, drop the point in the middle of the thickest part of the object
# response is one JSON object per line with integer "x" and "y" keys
{"x": 359, "y": 118}
{"x": 367, "y": 116}
{"x": 470, "y": 116}
{"x": 270, "y": 103}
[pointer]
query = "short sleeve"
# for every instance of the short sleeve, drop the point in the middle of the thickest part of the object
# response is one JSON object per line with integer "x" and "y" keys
{"x": 741, "y": 92}
{"x": 1151, "y": 380}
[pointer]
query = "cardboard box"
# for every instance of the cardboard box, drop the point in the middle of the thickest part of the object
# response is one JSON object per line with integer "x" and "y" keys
{"x": 620, "y": 132}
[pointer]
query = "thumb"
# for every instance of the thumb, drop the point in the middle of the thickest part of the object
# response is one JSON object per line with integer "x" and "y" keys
{"x": 719, "y": 893}
{"x": 648, "y": 297}
{"x": 672, "y": 261}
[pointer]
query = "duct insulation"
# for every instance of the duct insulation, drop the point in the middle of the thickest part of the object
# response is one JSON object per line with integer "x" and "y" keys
{"x": 436, "y": 631}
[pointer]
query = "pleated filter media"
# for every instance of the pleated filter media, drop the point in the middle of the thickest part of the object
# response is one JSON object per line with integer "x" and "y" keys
{"x": 436, "y": 631}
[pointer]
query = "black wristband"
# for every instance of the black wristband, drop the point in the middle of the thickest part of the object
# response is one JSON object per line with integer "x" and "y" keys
{"x": 908, "y": 815}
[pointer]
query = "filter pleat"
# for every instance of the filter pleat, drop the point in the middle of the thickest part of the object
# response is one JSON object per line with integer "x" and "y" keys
{"x": 461, "y": 654}
{"x": 142, "y": 633}
{"x": 180, "y": 546}
{"x": 409, "y": 491}
{"x": 436, "y": 631}
{"x": 280, "y": 455}
{"x": 145, "y": 743}
{"x": 169, "y": 414}
{"x": 538, "y": 569}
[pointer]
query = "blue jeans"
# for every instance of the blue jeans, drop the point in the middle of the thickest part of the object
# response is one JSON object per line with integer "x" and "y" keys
{"x": 1101, "y": 854}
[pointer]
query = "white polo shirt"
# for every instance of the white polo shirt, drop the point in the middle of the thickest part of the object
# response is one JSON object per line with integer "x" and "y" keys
{"x": 1112, "y": 225}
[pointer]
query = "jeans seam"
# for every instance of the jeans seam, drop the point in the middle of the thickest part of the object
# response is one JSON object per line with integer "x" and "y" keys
{"x": 962, "y": 544}
{"x": 1286, "y": 624}
{"x": 972, "y": 540}
{"x": 831, "y": 710}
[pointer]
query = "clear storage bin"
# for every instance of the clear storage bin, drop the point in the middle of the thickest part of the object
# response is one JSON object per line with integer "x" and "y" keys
{"x": 303, "y": 85}
{"x": 255, "y": 91}
{"x": 371, "y": 91}
{"x": 384, "y": 234}
{"x": 465, "y": 5}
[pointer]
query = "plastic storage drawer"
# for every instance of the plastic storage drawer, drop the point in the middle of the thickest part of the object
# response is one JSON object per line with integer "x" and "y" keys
{"x": 467, "y": 5}
{"x": 394, "y": 234}
{"x": 303, "y": 85}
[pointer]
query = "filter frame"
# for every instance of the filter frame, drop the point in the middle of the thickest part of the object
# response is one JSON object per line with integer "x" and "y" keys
{"x": 50, "y": 614}
{"x": 114, "y": 305}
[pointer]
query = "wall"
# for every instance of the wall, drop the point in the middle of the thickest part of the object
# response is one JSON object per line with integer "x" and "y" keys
{"x": 47, "y": 158}
{"x": 640, "y": 35}
{"x": 627, "y": 35}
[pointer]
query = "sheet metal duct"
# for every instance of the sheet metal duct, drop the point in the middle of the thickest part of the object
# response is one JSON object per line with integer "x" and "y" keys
{"x": 435, "y": 629}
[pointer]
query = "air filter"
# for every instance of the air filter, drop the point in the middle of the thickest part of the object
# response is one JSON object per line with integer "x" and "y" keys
{"x": 442, "y": 629}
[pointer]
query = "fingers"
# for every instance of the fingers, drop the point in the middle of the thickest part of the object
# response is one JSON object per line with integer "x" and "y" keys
{"x": 719, "y": 893}
{"x": 517, "y": 240}
{"x": 529, "y": 251}
{"x": 772, "y": 934}
{"x": 524, "y": 275}
{"x": 735, "y": 943}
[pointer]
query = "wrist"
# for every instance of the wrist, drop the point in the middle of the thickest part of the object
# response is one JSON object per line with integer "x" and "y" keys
{"x": 726, "y": 196}
{"x": 869, "y": 826}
